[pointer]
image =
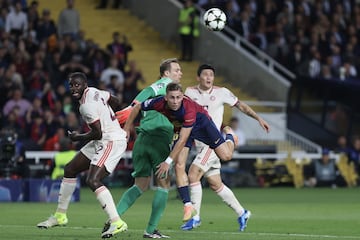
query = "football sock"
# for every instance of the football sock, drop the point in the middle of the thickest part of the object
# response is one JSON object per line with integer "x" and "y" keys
{"x": 107, "y": 203}
{"x": 158, "y": 207}
{"x": 67, "y": 188}
{"x": 184, "y": 194}
{"x": 196, "y": 197}
{"x": 128, "y": 199}
{"x": 229, "y": 198}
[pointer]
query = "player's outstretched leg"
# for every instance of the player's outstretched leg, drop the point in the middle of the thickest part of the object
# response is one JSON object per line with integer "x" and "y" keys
{"x": 243, "y": 219}
{"x": 155, "y": 234}
{"x": 115, "y": 227}
{"x": 58, "y": 219}
{"x": 191, "y": 224}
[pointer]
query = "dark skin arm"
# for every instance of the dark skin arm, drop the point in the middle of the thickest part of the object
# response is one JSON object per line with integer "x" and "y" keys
{"x": 114, "y": 103}
{"x": 95, "y": 133}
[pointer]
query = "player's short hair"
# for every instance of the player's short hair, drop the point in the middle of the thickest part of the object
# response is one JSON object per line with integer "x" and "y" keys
{"x": 165, "y": 65}
{"x": 173, "y": 87}
{"x": 80, "y": 75}
{"x": 203, "y": 67}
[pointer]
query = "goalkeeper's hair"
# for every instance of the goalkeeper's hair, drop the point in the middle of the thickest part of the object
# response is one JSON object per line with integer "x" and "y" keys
{"x": 165, "y": 65}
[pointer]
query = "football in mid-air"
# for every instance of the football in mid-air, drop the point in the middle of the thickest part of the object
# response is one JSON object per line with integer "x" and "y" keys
{"x": 214, "y": 19}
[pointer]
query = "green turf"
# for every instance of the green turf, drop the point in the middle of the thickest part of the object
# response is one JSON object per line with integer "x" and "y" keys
{"x": 278, "y": 213}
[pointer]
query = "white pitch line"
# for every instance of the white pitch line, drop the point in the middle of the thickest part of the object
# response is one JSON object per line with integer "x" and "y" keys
{"x": 212, "y": 232}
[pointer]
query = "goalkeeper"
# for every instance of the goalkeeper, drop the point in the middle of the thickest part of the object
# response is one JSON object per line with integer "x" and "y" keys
{"x": 154, "y": 128}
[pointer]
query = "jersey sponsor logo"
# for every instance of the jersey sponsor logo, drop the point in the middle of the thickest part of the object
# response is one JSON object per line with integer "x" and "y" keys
{"x": 147, "y": 102}
{"x": 158, "y": 86}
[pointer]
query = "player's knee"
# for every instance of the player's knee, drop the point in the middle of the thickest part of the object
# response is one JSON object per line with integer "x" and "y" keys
{"x": 93, "y": 183}
{"x": 227, "y": 156}
{"x": 69, "y": 172}
{"x": 179, "y": 168}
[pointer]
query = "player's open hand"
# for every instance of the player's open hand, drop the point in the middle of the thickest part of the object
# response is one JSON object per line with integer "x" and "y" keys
{"x": 162, "y": 170}
{"x": 264, "y": 125}
{"x": 123, "y": 114}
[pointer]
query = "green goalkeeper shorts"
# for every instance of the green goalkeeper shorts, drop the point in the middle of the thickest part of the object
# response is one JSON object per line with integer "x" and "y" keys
{"x": 148, "y": 152}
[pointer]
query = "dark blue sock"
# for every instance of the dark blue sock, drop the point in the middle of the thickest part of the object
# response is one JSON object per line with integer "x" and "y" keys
{"x": 184, "y": 194}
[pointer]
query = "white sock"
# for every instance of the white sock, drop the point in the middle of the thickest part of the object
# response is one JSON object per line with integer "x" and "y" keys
{"x": 107, "y": 203}
{"x": 67, "y": 188}
{"x": 229, "y": 198}
{"x": 196, "y": 197}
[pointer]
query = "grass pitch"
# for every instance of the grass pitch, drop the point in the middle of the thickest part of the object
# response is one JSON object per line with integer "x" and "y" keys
{"x": 277, "y": 213}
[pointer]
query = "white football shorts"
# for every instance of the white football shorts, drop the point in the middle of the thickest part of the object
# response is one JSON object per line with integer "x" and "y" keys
{"x": 104, "y": 152}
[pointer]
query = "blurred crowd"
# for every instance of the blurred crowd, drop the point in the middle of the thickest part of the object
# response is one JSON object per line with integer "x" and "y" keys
{"x": 36, "y": 56}
{"x": 313, "y": 38}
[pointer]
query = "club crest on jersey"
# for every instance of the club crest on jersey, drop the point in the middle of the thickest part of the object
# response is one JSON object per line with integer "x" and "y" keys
{"x": 212, "y": 98}
{"x": 96, "y": 96}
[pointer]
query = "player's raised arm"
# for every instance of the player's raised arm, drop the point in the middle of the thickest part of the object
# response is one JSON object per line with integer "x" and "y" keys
{"x": 114, "y": 102}
{"x": 163, "y": 168}
{"x": 130, "y": 120}
{"x": 251, "y": 113}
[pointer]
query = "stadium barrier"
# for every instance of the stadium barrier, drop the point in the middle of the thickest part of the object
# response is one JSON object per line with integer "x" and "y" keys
{"x": 33, "y": 190}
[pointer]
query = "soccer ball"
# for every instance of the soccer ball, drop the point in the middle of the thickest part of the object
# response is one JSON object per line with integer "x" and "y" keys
{"x": 214, "y": 19}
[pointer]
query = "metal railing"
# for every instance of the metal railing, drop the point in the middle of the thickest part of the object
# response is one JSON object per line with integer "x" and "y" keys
{"x": 291, "y": 141}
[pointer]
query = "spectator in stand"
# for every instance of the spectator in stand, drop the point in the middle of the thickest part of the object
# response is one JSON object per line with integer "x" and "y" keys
{"x": 3, "y": 14}
{"x": 14, "y": 76}
{"x": 73, "y": 66}
{"x": 69, "y": 20}
{"x": 22, "y": 60}
{"x": 16, "y": 21}
{"x": 97, "y": 61}
{"x": 51, "y": 123}
{"x": 53, "y": 143}
{"x": 113, "y": 69}
{"x": 326, "y": 72}
{"x": 119, "y": 47}
{"x": 37, "y": 78}
{"x": 35, "y": 108}
{"x": 72, "y": 122}
{"x": 188, "y": 21}
{"x": 296, "y": 58}
{"x": 33, "y": 14}
{"x": 53, "y": 64}
{"x": 132, "y": 76}
{"x": 46, "y": 26}
{"x": 354, "y": 154}
{"x": 71, "y": 51}
{"x": 323, "y": 172}
{"x": 114, "y": 87}
{"x": 314, "y": 70}
{"x": 13, "y": 121}
{"x": 342, "y": 145}
{"x": 17, "y": 100}
{"x": 348, "y": 71}
{"x": 37, "y": 131}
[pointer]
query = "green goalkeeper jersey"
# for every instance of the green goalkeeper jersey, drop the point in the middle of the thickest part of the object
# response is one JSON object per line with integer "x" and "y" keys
{"x": 153, "y": 122}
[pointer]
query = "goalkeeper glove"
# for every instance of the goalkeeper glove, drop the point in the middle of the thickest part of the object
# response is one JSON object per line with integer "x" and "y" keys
{"x": 123, "y": 114}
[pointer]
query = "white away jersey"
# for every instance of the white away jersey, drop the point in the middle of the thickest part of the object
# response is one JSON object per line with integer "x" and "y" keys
{"x": 213, "y": 100}
{"x": 94, "y": 107}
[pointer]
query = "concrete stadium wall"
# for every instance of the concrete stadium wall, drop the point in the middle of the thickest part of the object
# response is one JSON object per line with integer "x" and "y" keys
{"x": 237, "y": 66}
